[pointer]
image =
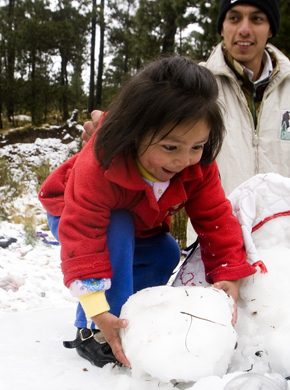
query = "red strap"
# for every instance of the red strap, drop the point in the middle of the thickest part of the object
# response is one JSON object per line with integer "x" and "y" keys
{"x": 262, "y": 266}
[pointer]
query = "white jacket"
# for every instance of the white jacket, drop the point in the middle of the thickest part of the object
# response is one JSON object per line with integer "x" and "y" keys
{"x": 248, "y": 151}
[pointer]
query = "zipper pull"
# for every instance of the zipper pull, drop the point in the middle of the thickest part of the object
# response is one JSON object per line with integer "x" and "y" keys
{"x": 255, "y": 140}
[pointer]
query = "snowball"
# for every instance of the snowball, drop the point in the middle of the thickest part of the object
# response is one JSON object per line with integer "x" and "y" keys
{"x": 178, "y": 333}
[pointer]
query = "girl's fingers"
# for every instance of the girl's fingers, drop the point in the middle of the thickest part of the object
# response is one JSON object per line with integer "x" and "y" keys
{"x": 119, "y": 353}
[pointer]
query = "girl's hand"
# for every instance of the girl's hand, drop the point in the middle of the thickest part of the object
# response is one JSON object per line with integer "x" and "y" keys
{"x": 231, "y": 287}
{"x": 90, "y": 126}
{"x": 110, "y": 325}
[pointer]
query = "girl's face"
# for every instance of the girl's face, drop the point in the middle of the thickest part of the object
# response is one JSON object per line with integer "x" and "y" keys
{"x": 182, "y": 147}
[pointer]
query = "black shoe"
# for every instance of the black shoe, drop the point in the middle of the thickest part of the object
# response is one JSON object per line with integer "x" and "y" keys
{"x": 91, "y": 345}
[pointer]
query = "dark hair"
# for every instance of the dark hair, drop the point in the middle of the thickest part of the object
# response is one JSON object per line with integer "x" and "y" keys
{"x": 172, "y": 90}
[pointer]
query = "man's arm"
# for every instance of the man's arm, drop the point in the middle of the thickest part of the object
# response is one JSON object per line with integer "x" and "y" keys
{"x": 90, "y": 126}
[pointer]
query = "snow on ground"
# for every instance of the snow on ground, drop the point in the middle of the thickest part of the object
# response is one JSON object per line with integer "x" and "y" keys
{"x": 39, "y": 316}
{"x": 37, "y": 312}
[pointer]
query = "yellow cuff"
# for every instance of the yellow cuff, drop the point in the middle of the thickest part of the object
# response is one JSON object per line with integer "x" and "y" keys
{"x": 94, "y": 303}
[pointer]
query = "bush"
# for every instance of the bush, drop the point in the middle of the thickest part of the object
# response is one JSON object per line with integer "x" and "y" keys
{"x": 41, "y": 173}
{"x": 29, "y": 228}
{"x": 8, "y": 186}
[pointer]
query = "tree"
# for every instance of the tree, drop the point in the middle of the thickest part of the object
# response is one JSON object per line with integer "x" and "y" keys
{"x": 207, "y": 20}
{"x": 34, "y": 59}
{"x": 121, "y": 40}
{"x": 282, "y": 38}
{"x": 173, "y": 17}
{"x": 78, "y": 98}
{"x": 143, "y": 30}
{"x": 70, "y": 27}
{"x": 148, "y": 22}
{"x": 101, "y": 55}
{"x": 165, "y": 18}
{"x": 121, "y": 33}
{"x": 9, "y": 40}
{"x": 91, "y": 104}
{"x": 200, "y": 41}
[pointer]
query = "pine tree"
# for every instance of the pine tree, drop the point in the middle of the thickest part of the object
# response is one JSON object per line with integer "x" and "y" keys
{"x": 282, "y": 38}
{"x": 91, "y": 104}
{"x": 34, "y": 60}
{"x": 70, "y": 27}
{"x": 101, "y": 55}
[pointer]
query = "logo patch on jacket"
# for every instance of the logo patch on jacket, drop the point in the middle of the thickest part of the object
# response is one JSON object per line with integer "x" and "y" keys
{"x": 285, "y": 125}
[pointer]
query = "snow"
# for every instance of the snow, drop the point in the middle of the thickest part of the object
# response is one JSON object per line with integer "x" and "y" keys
{"x": 37, "y": 312}
{"x": 22, "y": 118}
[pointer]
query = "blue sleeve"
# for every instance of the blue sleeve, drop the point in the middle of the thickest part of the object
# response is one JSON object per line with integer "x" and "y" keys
{"x": 53, "y": 225}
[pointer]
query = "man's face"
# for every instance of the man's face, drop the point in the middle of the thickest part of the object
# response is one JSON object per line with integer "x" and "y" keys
{"x": 246, "y": 30}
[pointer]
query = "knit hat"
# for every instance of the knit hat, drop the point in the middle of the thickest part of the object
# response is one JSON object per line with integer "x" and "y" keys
{"x": 270, "y": 7}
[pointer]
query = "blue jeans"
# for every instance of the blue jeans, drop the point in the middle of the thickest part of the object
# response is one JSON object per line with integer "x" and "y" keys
{"x": 137, "y": 263}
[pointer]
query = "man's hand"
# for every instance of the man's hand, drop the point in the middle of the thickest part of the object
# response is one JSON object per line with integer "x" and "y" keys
{"x": 231, "y": 287}
{"x": 90, "y": 126}
{"x": 110, "y": 326}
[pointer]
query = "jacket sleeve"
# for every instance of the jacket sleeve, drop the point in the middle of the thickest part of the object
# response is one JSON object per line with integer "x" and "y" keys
{"x": 89, "y": 199}
{"x": 219, "y": 232}
{"x": 51, "y": 194}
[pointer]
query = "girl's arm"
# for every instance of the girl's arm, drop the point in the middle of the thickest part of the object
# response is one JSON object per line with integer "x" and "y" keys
{"x": 219, "y": 231}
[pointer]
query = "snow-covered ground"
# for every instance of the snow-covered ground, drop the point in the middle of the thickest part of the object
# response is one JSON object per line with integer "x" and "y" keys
{"x": 37, "y": 311}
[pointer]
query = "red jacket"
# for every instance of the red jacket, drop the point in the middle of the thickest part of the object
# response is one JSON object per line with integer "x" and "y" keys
{"x": 84, "y": 193}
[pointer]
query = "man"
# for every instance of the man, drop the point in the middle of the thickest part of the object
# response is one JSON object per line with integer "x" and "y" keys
{"x": 254, "y": 84}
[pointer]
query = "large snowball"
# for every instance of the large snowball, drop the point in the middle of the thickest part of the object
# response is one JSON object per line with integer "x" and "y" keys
{"x": 178, "y": 333}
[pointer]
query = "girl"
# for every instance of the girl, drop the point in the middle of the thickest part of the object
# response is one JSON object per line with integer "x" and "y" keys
{"x": 153, "y": 155}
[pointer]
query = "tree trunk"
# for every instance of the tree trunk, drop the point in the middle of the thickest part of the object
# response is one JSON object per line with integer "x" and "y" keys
{"x": 91, "y": 104}
{"x": 33, "y": 90}
{"x": 169, "y": 35}
{"x": 1, "y": 93}
{"x": 10, "y": 65}
{"x": 64, "y": 84}
{"x": 101, "y": 56}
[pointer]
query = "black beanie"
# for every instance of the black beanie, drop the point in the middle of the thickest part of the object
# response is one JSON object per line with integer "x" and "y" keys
{"x": 270, "y": 7}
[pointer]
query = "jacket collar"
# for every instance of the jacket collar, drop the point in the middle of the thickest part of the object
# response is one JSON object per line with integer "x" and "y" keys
{"x": 217, "y": 64}
{"x": 242, "y": 72}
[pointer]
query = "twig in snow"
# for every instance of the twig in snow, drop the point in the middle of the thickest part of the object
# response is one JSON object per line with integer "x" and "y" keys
{"x": 201, "y": 318}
